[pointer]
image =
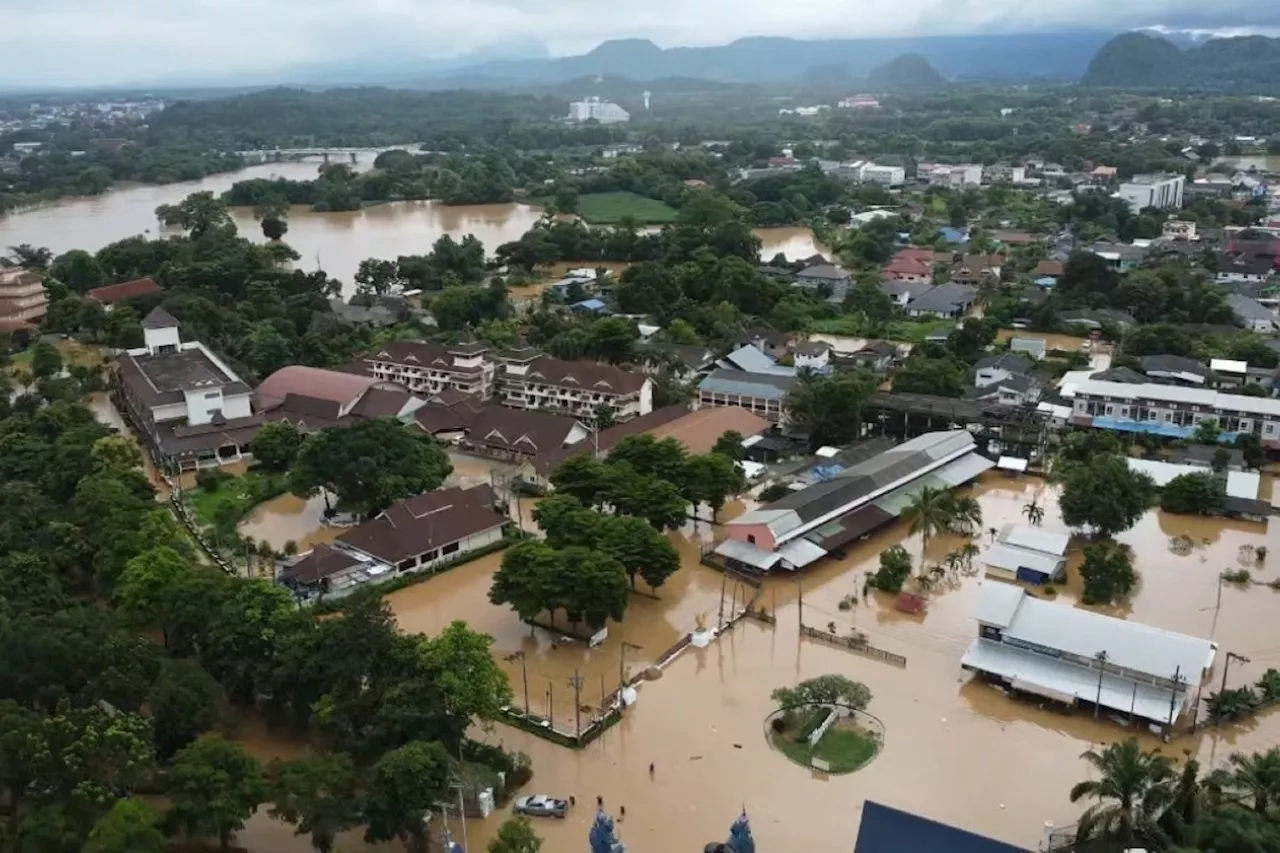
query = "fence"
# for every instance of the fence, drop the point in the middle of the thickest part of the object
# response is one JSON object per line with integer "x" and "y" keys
{"x": 855, "y": 645}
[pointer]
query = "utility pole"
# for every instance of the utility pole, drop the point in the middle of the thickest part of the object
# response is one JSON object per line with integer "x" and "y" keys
{"x": 1226, "y": 666}
{"x": 1101, "y": 658}
{"x": 576, "y": 683}
{"x": 799, "y": 605}
{"x": 524, "y": 676}
{"x": 462, "y": 815}
{"x": 1173, "y": 695}
{"x": 551, "y": 707}
{"x": 724, "y": 578}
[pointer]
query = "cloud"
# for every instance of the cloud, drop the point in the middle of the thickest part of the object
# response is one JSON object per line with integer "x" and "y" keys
{"x": 88, "y": 42}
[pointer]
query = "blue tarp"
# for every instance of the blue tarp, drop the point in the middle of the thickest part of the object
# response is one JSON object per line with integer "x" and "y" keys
{"x": 888, "y": 830}
{"x": 1160, "y": 428}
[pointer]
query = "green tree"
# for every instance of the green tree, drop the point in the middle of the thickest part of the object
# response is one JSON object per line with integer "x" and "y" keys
{"x": 1251, "y": 447}
{"x": 460, "y": 664}
{"x": 131, "y": 826}
{"x": 185, "y": 703}
{"x": 713, "y": 478}
{"x": 895, "y": 568}
{"x": 276, "y": 445}
{"x": 369, "y": 465}
{"x": 1250, "y": 780}
{"x": 931, "y": 511}
{"x": 1131, "y": 792}
{"x": 201, "y": 214}
{"x": 1193, "y": 494}
{"x": 46, "y": 361}
{"x": 581, "y": 476}
{"x": 317, "y": 794}
{"x": 522, "y": 580}
{"x": 938, "y": 377}
{"x": 117, "y": 452}
{"x": 1107, "y": 571}
{"x": 730, "y": 444}
{"x": 1208, "y": 431}
{"x": 406, "y": 784}
{"x": 516, "y": 835}
{"x": 638, "y": 548}
{"x": 78, "y": 270}
{"x": 274, "y": 227}
{"x": 148, "y": 587}
{"x": 596, "y": 585}
{"x": 565, "y": 198}
{"x": 1104, "y": 494}
{"x": 214, "y": 787}
{"x": 1033, "y": 512}
{"x": 824, "y": 690}
{"x": 658, "y": 501}
{"x": 828, "y": 408}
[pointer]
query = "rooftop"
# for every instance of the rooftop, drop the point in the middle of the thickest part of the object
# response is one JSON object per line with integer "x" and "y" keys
{"x": 297, "y": 379}
{"x": 889, "y": 830}
{"x": 165, "y": 378}
{"x": 741, "y": 383}
{"x": 1265, "y": 406}
{"x": 425, "y": 523}
{"x": 124, "y": 290}
{"x": 945, "y": 298}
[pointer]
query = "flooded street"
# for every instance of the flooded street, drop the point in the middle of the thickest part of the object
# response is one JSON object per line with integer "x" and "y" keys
{"x": 701, "y": 722}
{"x": 335, "y": 242}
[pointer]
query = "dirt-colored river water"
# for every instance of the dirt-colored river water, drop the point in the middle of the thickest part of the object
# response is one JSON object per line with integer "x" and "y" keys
{"x": 954, "y": 750}
{"x": 336, "y": 242}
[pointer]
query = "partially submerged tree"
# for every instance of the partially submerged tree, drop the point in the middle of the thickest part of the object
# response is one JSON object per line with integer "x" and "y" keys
{"x": 824, "y": 690}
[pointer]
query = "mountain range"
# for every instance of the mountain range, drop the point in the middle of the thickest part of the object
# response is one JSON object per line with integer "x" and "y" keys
{"x": 1142, "y": 60}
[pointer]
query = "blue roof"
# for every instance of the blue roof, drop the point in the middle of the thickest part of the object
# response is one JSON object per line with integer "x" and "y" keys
{"x": 589, "y": 305}
{"x": 955, "y": 235}
{"x": 1046, "y": 281}
{"x": 762, "y": 385}
{"x": 888, "y": 830}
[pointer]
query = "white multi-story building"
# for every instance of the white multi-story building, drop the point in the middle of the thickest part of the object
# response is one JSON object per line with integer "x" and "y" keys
{"x": 530, "y": 380}
{"x": 430, "y": 368}
{"x": 605, "y": 112}
{"x": 23, "y": 298}
{"x": 957, "y": 177}
{"x": 1163, "y": 192}
{"x": 1171, "y": 410}
{"x": 887, "y": 176}
{"x": 192, "y": 410}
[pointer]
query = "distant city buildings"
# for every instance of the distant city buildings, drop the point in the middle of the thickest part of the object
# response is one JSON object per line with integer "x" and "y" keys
{"x": 859, "y": 102}
{"x": 605, "y": 112}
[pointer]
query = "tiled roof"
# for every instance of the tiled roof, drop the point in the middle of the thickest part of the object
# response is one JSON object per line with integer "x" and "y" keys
{"x": 159, "y": 319}
{"x": 580, "y": 375}
{"x": 418, "y": 354}
{"x": 522, "y": 431}
{"x": 320, "y": 562}
{"x": 124, "y": 290}
{"x": 945, "y": 298}
{"x": 425, "y": 523}
{"x": 300, "y": 380}
{"x": 698, "y": 431}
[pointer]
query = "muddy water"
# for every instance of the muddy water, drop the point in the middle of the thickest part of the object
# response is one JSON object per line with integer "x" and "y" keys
{"x": 289, "y": 518}
{"x": 336, "y": 242}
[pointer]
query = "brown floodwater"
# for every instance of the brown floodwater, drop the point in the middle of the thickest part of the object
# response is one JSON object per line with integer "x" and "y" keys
{"x": 335, "y": 242}
{"x": 701, "y": 722}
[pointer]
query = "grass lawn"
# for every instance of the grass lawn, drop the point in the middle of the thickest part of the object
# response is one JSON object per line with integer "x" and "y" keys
{"x": 73, "y": 352}
{"x": 611, "y": 208}
{"x": 906, "y": 331}
{"x": 845, "y": 747}
{"x": 241, "y": 493}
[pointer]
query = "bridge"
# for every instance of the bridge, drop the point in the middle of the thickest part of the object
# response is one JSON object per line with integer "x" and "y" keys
{"x": 276, "y": 155}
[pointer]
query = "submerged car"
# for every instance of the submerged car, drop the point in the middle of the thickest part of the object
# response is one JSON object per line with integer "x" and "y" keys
{"x": 540, "y": 805}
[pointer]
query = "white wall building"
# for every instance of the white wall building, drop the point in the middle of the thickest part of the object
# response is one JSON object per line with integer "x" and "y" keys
{"x": 886, "y": 176}
{"x": 1173, "y": 411}
{"x": 1159, "y": 191}
{"x": 605, "y": 112}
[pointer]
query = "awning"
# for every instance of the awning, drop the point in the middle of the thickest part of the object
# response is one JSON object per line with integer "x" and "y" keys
{"x": 745, "y": 552}
{"x": 964, "y": 469}
{"x": 801, "y": 552}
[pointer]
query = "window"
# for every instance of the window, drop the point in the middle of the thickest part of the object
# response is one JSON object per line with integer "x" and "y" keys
{"x": 451, "y": 548}
{"x": 751, "y": 538}
{"x": 213, "y": 395}
{"x": 1110, "y": 410}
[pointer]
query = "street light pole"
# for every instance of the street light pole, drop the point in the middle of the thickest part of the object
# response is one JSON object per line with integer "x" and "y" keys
{"x": 1101, "y": 658}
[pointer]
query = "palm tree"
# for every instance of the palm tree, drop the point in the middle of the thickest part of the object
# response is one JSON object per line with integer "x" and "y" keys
{"x": 966, "y": 514}
{"x": 1191, "y": 803}
{"x": 1253, "y": 780}
{"x": 1132, "y": 792}
{"x": 1034, "y": 512}
{"x": 930, "y": 511}
{"x": 967, "y": 553}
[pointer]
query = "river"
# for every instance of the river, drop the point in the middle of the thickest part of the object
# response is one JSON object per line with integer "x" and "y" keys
{"x": 336, "y": 242}
{"x": 701, "y": 722}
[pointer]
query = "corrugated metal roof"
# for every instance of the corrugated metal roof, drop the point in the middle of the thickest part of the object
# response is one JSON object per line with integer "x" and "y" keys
{"x": 1011, "y": 559}
{"x": 745, "y": 552}
{"x": 743, "y": 384}
{"x": 1176, "y": 394}
{"x": 887, "y": 830}
{"x": 1035, "y": 539}
{"x": 1118, "y": 693}
{"x": 997, "y": 602}
{"x": 801, "y": 552}
{"x": 1131, "y": 645}
{"x": 964, "y": 469}
{"x": 1244, "y": 484}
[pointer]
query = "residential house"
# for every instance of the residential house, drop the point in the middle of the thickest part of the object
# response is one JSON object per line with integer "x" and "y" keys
{"x": 191, "y": 409}
{"x": 1179, "y": 229}
{"x": 429, "y": 530}
{"x": 1120, "y": 255}
{"x": 903, "y": 291}
{"x": 108, "y": 295}
{"x": 908, "y": 268}
{"x": 997, "y": 368}
{"x": 752, "y": 360}
{"x": 1050, "y": 651}
{"x": 877, "y": 356}
{"x": 1242, "y": 268}
{"x": 807, "y": 525}
{"x": 1014, "y": 238}
{"x": 530, "y": 380}
{"x": 813, "y": 355}
{"x": 885, "y": 176}
{"x": 312, "y": 398}
{"x": 683, "y": 362}
{"x": 1175, "y": 370}
{"x": 975, "y": 270}
{"x": 1173, "y": 411}
{"x": 592, "y": 306}
{"x": 1251, "y": 314}
{"x": 946, "y": 300}
{"x": 448, "y": 416}
{"x": 1028, "y": 554}
{"x": 1015, "y": 390}
{"x": 23, "y": 299}
{"x": 771, "y": 343}
{"x": 825, "y": 276}
{"x": 427, "y": 368}
{"x": 1049, "y": 268}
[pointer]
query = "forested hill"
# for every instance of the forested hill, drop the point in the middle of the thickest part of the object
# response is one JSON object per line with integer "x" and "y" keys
{"x": 910, "y": 72}
{"x": 1139, "y": 60}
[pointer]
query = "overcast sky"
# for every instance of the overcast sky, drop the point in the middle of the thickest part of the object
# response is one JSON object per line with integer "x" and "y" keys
{"x": 79, "y": 42}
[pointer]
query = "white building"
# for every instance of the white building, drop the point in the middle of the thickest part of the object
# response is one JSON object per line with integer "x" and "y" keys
{"x": 190, "y": 407}
{"x": 1163, "y": 192}
{"x": 605, "y": 112}
{"x": 957, "y": 177}
{"x": 530, "y": 380}
{"x": 1071, "y": 655}
{"x": 1028, "y": 554}
{"x": 885, "y": 176}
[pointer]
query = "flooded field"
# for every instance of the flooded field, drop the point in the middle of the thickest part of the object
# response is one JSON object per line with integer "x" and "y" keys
{"x": 701, "y": 722}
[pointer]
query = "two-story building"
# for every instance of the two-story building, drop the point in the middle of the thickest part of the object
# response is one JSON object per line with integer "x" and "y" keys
{"x": 191, "y": 409}
{"x": 833, "y": 279}
{"x": 426, "y": 368}
{"x": 1172, "y": 410}
{"x": 529, "y": 380}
